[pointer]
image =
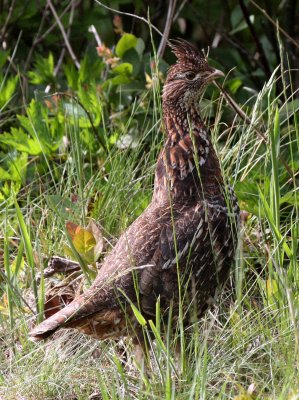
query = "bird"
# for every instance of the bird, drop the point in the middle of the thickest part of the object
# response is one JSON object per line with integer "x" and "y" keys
{"x": 180, "y": 249}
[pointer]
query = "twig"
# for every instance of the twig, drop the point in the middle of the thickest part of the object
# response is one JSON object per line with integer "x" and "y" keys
{"x": 58, "y": 264}
{"x": 93, "y": 30}
{"x": 275, "y": 24}
{"x": 10, "y": 11}
{"x": 130, "y": 15}
{"x": 11, "y": 63}
{"x": 182, "y": 5}
{"x": 258, "y": 44}
{"x": 38, "y": 38}
{"x": 169, "y": 19}
{"x": 71, "y": 18}
{"x": 66, "y": 41}
{"x": 36, "y": 41}
{"x": 49, "y": 30}
{"x": 234, "y": 105}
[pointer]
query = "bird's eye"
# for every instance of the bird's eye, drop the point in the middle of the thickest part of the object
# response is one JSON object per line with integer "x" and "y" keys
{"x": 190, "y": 75}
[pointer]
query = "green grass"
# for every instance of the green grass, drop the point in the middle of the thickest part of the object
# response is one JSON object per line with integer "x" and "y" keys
{"x": 250, "y": 337}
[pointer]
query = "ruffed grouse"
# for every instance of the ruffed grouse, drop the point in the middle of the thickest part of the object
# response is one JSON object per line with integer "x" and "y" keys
{"x": 184, "y": 239}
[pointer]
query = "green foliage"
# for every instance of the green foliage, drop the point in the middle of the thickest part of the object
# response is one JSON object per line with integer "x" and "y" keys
{"x": 126, "y": 42}
{"x": 7, "y": 90}
{"x": 38, "y": 133}
{"x": 43, "y": 72}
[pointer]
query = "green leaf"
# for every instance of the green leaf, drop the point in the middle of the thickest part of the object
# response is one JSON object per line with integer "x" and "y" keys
{"x": 17, "y": 165}
{"x": 20, "y": 141}
{"x": 123, "y": 69}
{"x": 83, "y": 240}
{"x": 234, "y": 85}
{"x": 140, "y": 46}
{"x": 140, "y": 318}
{"x": 126, "y": 42}
{"x": 4, "y": 175}
{"x": 3, "y": 57}
{"x": 44, "y": 70}
{"x": 46, "y": 133}
{"x": 7, "y": 90}
{"x": 90, "y": 70}
{"x": 116, "y": 81}
{"x": 72, "y": 75}
{"x": 247, "y": 193}
{"x": 289, "y": 197}
{"x": 243, "y": 25}
{"x": 97, "y": 234}
{"x": 133, "y": 58}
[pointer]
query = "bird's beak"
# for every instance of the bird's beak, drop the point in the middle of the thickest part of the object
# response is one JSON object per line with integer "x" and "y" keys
{"x": 214, "y": 74}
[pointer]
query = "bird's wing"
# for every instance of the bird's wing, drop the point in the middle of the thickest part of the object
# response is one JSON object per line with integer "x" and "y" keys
{"x": 181, "y": 243}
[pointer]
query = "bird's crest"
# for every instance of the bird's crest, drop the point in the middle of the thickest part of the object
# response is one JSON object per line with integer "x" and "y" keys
{"x": 187, "y": 52}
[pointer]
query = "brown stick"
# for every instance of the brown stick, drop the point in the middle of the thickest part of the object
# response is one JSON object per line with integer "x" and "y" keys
{"x": 258, "y": 44}
{"x": 275, "y": 24}
{"x": 64, "y": 35}
{"x": 130, "y": 15}
{"x": 168, "y": 23}
{"x": 71, "y": 18}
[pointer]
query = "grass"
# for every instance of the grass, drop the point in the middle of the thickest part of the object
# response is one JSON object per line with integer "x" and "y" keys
{"x": 250, "y": 340}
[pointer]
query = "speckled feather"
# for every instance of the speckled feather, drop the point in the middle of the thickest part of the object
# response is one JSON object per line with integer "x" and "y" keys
{"x": 188, "y": 230}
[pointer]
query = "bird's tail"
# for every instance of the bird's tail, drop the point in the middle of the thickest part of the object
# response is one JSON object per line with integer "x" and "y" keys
{"x": 79, "y": 308}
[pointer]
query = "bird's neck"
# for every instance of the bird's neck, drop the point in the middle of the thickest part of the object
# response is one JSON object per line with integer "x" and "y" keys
{"x": 188, "y": 165}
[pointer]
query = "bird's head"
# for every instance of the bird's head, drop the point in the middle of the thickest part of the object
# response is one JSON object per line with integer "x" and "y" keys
{"x": 187, "y": 78}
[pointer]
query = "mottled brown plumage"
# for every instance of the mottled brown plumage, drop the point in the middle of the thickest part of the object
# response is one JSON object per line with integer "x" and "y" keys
{"x": 186, "y": 236}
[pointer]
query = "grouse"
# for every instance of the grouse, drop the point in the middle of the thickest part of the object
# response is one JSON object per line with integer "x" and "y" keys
{"x": 179, "y": 250}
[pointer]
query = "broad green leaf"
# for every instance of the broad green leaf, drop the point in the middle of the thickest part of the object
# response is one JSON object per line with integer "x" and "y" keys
{"x": 44, "y": 130}
{"x": 117, "y": 80}
{"x": 83, "y": 240}
{"x": 132, "y": 57}
{"x": 248, "y": 194}
{"x": 123, "y": 69}
{"x": 126, "y": 42}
